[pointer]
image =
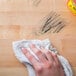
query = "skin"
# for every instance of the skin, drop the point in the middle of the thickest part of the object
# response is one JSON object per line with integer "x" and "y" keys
{"x": 48, "y": 63}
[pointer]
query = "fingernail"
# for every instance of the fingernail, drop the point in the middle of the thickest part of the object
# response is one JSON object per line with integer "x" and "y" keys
{"x": 24, "y": 50}
{"x": 53, "y": 53}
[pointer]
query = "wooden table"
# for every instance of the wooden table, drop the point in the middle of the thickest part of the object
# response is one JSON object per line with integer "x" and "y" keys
{"x": 20, "y": 19}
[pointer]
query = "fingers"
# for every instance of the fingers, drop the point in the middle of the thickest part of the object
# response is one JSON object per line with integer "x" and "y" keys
{"x": 39, "y": 53}
{"x": 56, "y": 60}
{"x": 52, "y": 57}
{"x": 44, "y": 56}
{"x": 36, "y": 64}
{"x": 29, "y": 56}
{"x": 48, "y": 54}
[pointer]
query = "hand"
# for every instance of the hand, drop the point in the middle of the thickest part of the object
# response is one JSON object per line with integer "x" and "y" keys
{"x": 48, "y": 63}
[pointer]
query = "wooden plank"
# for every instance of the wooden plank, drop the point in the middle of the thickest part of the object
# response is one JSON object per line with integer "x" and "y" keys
{"x": 74, "y": 71}
{"x": 21, "y": 19}
{"x": 7, "y": 57}
{"x": 13, "y": 71}
{"x": 69, "y": 49}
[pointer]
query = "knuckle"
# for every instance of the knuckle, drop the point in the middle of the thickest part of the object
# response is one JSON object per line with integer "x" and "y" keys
{"x": 50, "y": 63}
{"x": 47, "y": 52}
{"x": 29, "y": 56}
{"x": 49, "y": 66}
{"x": 57, "y": 65}
{"x": 38, "y": 52}
{"x": 39, "y": 69}
{"x": 55, "y": 55}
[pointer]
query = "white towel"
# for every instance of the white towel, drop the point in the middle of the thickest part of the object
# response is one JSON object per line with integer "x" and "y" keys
{"x": 17, "y": 46}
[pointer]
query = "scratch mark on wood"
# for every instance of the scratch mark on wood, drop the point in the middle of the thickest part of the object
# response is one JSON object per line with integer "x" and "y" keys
{"x": 52, "y": 21}
{"x": 36, "y": 2}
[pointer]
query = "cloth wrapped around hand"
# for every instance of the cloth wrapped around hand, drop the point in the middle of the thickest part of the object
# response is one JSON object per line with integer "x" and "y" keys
{"x": 18, "y": 45}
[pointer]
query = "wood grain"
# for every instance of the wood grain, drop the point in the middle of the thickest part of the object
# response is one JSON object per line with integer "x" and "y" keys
{"x": 20, "y": 19}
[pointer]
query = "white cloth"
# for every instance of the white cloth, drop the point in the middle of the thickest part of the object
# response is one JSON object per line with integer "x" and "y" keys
{"x": 17, "y": 45}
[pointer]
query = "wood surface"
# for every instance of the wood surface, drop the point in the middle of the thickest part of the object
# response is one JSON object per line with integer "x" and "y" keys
{"x": 21, "y": 19}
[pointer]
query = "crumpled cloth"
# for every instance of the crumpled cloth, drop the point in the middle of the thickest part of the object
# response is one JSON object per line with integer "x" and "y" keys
{"x": 18, "y": 45}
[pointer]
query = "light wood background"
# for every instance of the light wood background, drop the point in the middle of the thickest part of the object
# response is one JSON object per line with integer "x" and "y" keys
{"x": 21, "y": 19}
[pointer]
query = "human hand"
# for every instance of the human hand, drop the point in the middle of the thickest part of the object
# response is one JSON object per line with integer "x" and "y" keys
{"x": 48, "y": 63}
